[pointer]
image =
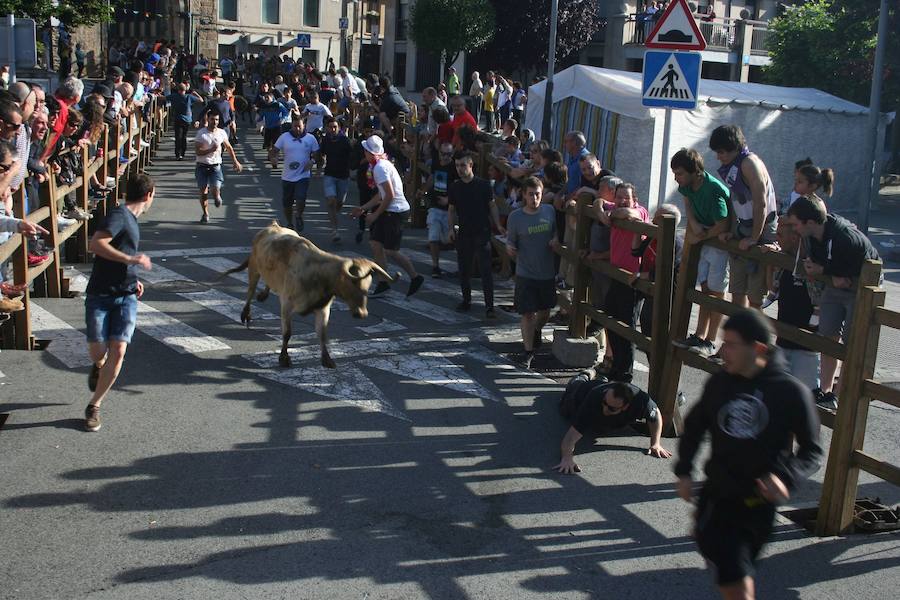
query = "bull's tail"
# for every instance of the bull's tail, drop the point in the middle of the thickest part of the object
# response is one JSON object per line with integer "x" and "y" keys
{"x": 236, "y": 269}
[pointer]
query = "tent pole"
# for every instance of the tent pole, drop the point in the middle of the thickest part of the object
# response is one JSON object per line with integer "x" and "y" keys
{"x": 664, "y": 159}
{"x": 551, "y": 66}
{"x": 872, "y": 150}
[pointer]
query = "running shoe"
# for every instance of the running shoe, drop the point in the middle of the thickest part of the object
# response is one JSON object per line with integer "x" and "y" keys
{"x": 691, "y": 341}
{"x": 381, "y": 288}
{"x": 436, "y": 272}
{"x": 218, "y": 202}
{"x": 414, "y": 285}
{"x": 204, "y": 218}
{"x": 523, "y": 359}
{"x": 828, "y": 400}
{"x": 92, "y": 418}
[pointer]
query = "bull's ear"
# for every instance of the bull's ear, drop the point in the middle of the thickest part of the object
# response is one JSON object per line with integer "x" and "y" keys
{"x": 354, "y": 270}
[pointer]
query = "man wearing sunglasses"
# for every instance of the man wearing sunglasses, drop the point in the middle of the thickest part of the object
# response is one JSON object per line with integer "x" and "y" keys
{"x": 10, "y": 119}
{"x": 594, "y": 407}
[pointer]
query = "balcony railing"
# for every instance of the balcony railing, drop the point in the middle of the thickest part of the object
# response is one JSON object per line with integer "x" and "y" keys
{"x": 722, "y": 35}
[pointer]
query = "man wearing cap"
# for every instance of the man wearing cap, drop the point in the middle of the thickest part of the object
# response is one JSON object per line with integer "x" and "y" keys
{"x": 754, "y": 411}
{"x": 387, "y": 213}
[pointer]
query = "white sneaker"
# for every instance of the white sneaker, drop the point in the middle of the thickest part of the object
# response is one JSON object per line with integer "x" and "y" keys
{"x": 64, "y": 222}
{"x": 110, "y": 182}
{"x": 145, "y": 144}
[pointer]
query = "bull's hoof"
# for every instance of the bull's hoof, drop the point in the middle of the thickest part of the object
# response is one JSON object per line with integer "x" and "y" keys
{"x": 328, "y": 362}
{"x": 262, "y": 296}
{"x": 245, "y": 317}
{"x": 284, "y": 360}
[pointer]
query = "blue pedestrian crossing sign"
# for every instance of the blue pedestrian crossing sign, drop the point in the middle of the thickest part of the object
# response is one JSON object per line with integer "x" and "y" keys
{"x": 304, "y": 40}
{"x": 671, "y": 79}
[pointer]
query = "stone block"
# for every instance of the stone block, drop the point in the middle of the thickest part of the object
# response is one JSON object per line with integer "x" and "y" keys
{"x": 575, "y": 352}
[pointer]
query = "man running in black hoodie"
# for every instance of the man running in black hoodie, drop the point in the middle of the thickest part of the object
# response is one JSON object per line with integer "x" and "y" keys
{"x": 751, "y": 409}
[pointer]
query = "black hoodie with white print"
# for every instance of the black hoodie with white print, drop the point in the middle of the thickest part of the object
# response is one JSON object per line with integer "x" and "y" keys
{"x": 752, "y": 423}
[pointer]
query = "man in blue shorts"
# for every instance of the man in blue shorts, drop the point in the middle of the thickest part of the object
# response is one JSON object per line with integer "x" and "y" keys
{"x": 208, "y": 147}
{"x": 113, "y": 291}
{"x": 336, "y": 148}
{"x": 300, "y": 150}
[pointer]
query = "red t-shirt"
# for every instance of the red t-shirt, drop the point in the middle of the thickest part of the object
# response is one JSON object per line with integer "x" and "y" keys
{"x": 445, "y": 133}
{"x": 459, "y": 121}
{"x": 620, "y": 245}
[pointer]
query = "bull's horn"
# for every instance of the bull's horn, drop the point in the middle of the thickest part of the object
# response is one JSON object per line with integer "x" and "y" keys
{"x": 348, "y": 265}
{"x": 377, "y": 268}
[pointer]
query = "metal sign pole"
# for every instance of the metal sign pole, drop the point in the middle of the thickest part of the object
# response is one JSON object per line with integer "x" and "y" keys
{"x": 551, "y": 66}
{"x": 11, "y": 23}
{"x": 664, "y": 159}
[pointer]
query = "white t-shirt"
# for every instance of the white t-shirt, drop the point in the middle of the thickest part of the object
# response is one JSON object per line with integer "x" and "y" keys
{"x": 297, "y": 155}
{"x": 351, "y": 88}
{"x": 290, "y": 105}
{"x": 383, "y": 172}
{"x": 207, "y": 138}
{"x": 316, "y": 114}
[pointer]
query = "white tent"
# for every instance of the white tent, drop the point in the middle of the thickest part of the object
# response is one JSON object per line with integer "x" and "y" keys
{"x": 781, "y": 124}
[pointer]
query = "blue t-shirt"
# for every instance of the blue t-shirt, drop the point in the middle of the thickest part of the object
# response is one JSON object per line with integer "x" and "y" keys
{"x": 273, "y": 114}
{"x": 181, "y": 106}
{"x": 110, "y": 278}
{"x": 574, "y": 168}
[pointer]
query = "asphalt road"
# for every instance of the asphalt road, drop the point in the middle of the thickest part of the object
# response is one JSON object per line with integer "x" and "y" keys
{"x": 420, "y": 468}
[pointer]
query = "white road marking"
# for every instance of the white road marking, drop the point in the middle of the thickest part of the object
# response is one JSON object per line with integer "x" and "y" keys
{"x": 68, "y": 345}
{"x": 340, "y": 350}
{"x": 226, "y": 305}
{"x": 386, "y": 326}
{"x": 179, "y": 336}
{"x": 159, "y": 274}
{"x": 448, "y": 264}
{"x": 431, "y": 368}
{"x": 198, "y": 251}
{"x": 347, "y": 384}
{"x": 424, "y": 309}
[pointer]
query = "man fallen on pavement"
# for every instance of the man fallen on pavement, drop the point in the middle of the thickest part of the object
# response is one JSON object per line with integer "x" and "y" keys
{"x": 595, "y": 407}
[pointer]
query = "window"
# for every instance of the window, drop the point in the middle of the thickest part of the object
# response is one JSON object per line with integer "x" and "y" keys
{"x": 310, "y": 57}
{"x": 402, "y": 20}
{"x": 311, "y": 13}
{"x": 271, "y": 10}
{"x": 228, "y": 10}
{"x": 399, "y": 77}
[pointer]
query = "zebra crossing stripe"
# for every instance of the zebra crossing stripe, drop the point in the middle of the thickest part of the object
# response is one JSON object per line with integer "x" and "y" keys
{"x": 158, "y": 274}
{"x": 226, "y": 305}
{"x": 424, "y": 309}
{"x": 68, "y": 345}
{"x": 179, "y": 336}
{"x": 189, "y": 252}
{"x": 220, "y": 265}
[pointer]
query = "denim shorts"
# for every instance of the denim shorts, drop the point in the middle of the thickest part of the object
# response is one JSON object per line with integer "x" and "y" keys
{"x": 110, "y": 318}
{"x": 209, "y": 176}
{"x": 836, "y": 312}
{"x": 804, "y": 365}
{"x": 336, "y": 187}
{"x": 294, "y": 191}
{"x": 438, "y": 222}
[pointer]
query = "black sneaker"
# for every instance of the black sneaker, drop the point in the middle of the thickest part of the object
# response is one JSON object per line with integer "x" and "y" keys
{"x": 691, "y": 341}
{"x": 828, "y": 401}
{"x": 381, "y": 288}
{"x": 523, "y": 359}
{"x": 93, "y": 377}
{"x": 436, "y": 272}
{"x": 489, "y": 314}
{"x": 704, "y": 348}
{"x": 204, "y": 218}
{"x": 92, "y": 418}
{"x": 414, "y": 285}
{"x": 463, "y": 306}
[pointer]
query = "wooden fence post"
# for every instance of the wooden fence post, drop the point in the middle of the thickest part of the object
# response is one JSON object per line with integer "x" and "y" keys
{"x": 22, "y": 318}
{"x": 84, "y": 203}
{"x": 581, "y": 292}
{"x": 681, "y": 316}
{"x": 849, "y": 431}
{"x": 664, "y": 279}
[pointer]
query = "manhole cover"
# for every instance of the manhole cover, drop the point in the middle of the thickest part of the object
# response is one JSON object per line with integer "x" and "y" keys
{"x": 181, "y": 286}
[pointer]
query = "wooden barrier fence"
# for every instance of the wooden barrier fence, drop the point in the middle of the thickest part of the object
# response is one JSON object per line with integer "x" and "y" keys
{"x": 47, "y": 277}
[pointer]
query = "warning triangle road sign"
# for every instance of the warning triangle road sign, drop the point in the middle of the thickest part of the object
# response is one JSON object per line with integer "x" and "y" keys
{"x": 676, "y": 29}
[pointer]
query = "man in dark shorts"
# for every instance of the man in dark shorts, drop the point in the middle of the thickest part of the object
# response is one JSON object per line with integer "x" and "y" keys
{"x": 113, "y": 292}
{"x": 754, "y": 410}
{"x": 597, "y": 406}
{"x": 530, "y": 240}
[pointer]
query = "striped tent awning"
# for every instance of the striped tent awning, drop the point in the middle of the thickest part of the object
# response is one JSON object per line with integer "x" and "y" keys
{"x": 600, "y": 128}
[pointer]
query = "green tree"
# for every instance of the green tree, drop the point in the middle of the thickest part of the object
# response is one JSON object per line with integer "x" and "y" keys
{"x": 830, "y": 45}
{"x": 452, "y": 26}
{"x": 70, "y": 12}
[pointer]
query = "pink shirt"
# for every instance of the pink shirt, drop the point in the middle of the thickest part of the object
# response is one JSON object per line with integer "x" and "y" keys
{"x": 620, "y": 245}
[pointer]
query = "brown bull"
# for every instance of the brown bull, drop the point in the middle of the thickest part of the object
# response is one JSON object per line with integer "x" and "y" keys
{"x": 306, "y": 280}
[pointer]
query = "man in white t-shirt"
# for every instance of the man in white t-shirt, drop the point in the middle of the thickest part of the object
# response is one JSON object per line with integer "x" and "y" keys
{"x": 387, "y": 212}
{"x": 208, "y": 145}
{"x": 315, "y": 113}
{"x": 350, "y": 88}
{"x": 300, "y": 153}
